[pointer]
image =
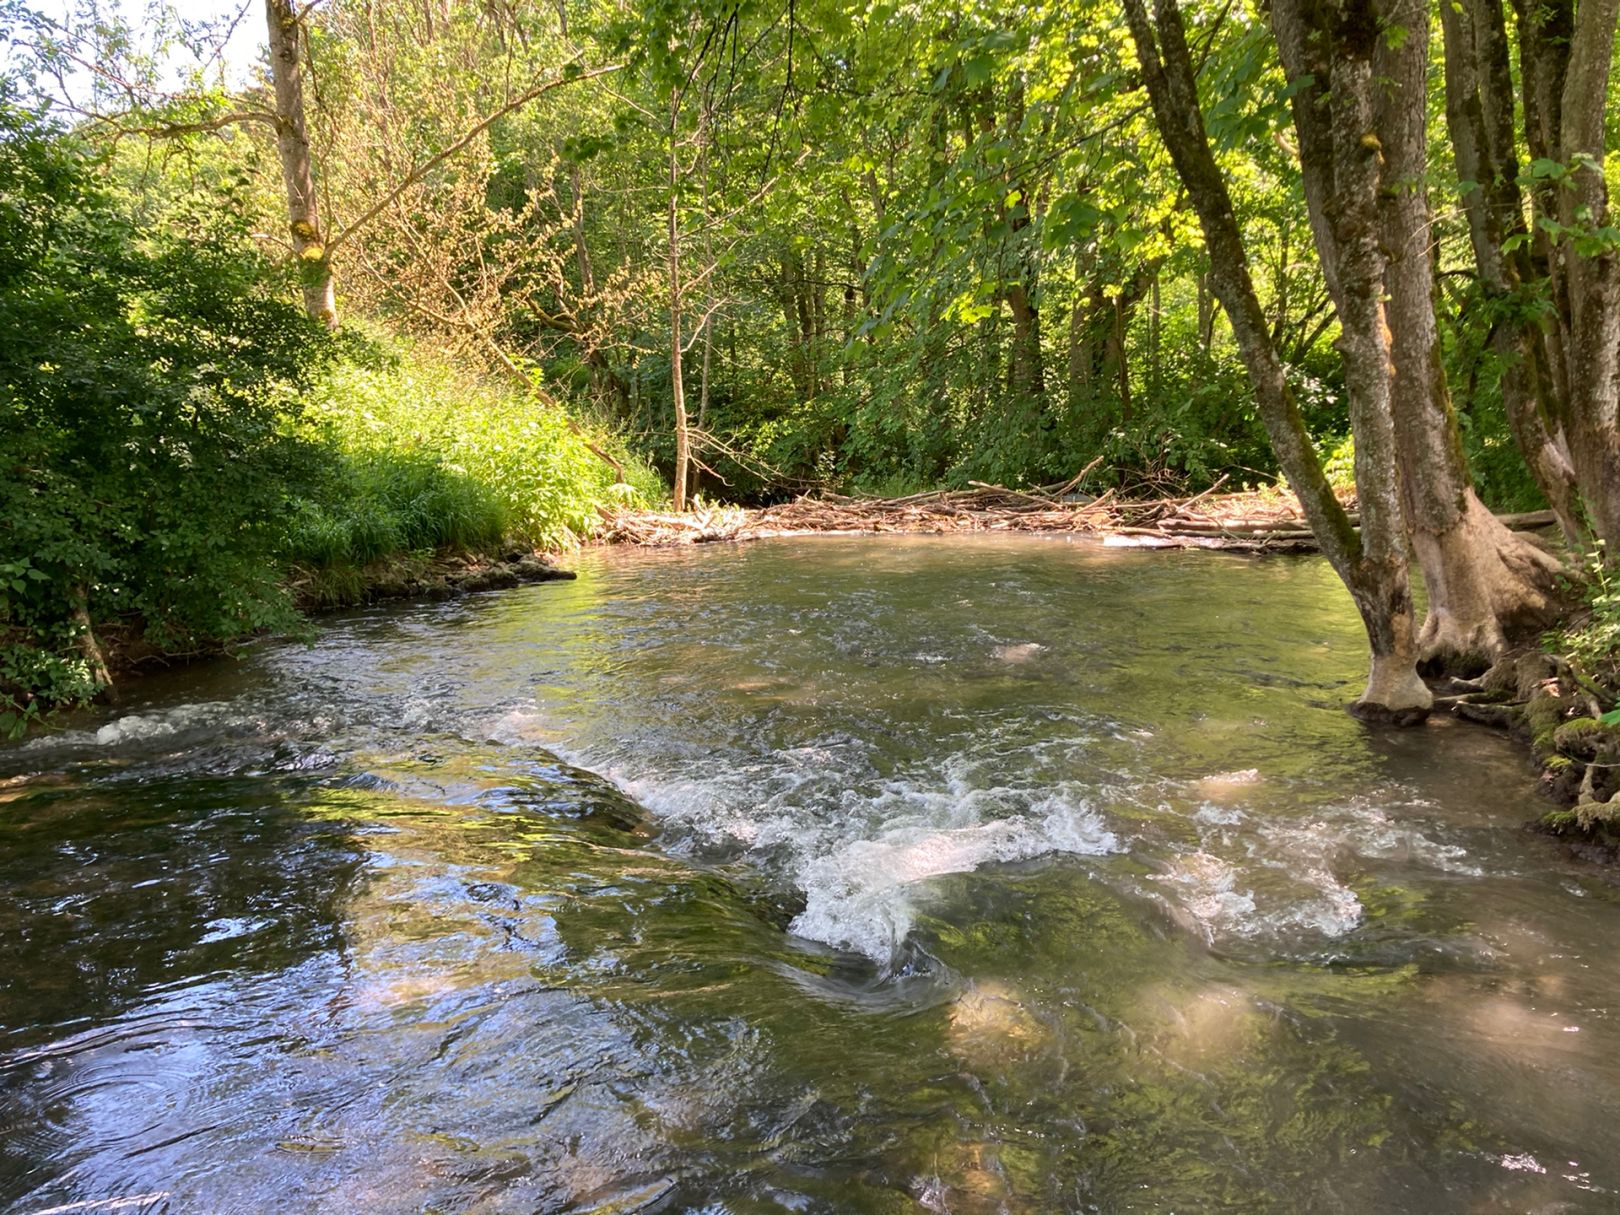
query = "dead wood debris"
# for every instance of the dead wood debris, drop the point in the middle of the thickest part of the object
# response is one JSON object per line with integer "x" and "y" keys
{"x": 1267, "y": 520}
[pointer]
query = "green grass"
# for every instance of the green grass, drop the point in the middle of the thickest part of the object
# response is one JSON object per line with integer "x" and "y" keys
{"x": 417, "y": 455}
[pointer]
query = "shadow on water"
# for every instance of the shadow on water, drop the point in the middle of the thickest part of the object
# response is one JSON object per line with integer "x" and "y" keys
{"x": 846, "y": 876}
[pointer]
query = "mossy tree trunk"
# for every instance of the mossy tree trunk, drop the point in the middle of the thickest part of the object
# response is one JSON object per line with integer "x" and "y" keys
{"x": 286, "y": 33}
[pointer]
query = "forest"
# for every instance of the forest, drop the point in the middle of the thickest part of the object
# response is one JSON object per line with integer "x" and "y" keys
{"x": 416, "y": 795}
{"x": 453, "y": 277}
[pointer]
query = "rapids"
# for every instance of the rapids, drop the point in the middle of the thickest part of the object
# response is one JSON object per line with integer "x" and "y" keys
{"x": 834, "y": 875}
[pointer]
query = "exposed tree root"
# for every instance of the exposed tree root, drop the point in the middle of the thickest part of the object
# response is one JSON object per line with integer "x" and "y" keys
{"x": 1541, "y": 700}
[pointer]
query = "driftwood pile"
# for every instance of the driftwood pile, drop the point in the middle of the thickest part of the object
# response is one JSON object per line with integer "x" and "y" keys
{"x": 1266, "y": 520}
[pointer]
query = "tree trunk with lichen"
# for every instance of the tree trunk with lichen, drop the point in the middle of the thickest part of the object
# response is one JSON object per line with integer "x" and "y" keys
{"x": 1373, "y": 564}
{"x": 297, "y": 169}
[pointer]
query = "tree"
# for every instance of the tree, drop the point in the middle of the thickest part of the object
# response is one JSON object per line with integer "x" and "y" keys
{"x": 1373, "y": 564}
{"x": 314, "y": 258}
{"x": 129, "y": 100}
{"x": 1554, "y": 281}
{"x": 1487, "y": 587}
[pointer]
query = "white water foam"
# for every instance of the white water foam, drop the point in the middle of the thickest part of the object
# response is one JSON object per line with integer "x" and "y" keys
{"x": 1256, "y": 874}
{"x": 862, "y": 896}
{"x": 857, "y": 846}
{"x": 1206, "y": 890}
{"x": 140, "y": 727}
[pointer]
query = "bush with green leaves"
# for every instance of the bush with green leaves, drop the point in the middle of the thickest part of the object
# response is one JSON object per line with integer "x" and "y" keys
{"x": 174, "y": 433}
{"x": 1591, "y": 641}
{"x": 144, "y": 379}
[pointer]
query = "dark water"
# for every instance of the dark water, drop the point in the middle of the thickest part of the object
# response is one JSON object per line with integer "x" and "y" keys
{"x": 837, "y": 875}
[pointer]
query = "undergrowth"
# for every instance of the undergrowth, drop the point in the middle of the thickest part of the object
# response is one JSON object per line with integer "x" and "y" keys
{"x": 416, "y": 456}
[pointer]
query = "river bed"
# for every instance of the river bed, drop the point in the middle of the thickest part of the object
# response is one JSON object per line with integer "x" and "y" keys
{"x": 963, "y": 874}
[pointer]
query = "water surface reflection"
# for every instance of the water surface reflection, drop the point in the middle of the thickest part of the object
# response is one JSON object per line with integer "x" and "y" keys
{"x": 835, "y": 875}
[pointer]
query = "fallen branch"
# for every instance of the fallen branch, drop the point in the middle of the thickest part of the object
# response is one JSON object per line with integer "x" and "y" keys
{"x": 1248, "y": 522}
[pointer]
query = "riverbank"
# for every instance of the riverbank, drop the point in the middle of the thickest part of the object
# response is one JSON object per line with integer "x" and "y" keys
{"x": 1572, "y": 732}
{"x": 380, "y": 472}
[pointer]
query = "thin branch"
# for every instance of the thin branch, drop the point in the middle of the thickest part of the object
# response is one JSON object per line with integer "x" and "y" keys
{"x": 174, "y": 130}
{"x": 432, "y": 162}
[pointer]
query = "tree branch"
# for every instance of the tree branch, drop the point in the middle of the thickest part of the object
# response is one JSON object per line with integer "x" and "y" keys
{"x": 432, "y": 162}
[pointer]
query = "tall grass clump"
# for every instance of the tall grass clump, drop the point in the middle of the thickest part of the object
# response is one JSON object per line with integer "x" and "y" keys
{"x": 419, "y": 455}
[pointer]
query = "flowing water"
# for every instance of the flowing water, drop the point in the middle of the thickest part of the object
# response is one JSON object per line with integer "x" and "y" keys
{"x": 830, "y": 875}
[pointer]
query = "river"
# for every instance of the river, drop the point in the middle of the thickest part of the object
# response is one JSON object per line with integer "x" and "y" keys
{"x": 832, "y": 875}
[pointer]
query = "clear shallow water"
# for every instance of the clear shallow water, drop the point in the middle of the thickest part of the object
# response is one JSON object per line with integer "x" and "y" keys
{"x": 834, "y": 875}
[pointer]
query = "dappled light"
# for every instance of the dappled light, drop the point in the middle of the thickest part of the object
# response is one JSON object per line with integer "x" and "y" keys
{"x": 726, "y": 607}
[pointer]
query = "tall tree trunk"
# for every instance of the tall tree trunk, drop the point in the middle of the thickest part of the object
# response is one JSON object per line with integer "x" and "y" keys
{"x": 1026, "y": 376}
{"x": 297, "y": 170}
{"x": 1545, "y": 28}
{"x": 1592, "y": 348}
{"x": 1565, "y": 58}
{"x": 1479, "y": 116}
{"x": 1119, "y": 355}
{"x": 1373, "y": 565}
{"x": 1488, "y": 587}
{"x": 1083, "y": 353}
{"x": 683, "y": 444}
{"x": 791, "y": 296}
{"x": 1155, "y": 335}
{"x": 1206, "y": 314}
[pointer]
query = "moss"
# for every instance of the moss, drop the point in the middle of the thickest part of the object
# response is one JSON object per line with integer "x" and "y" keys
{"x": 1543, "y": 714}
{"x": 1585, "y": 738}
{"x": 1597, "y": 818}
{"x": 1588, "y": 824}
{"x": 1516, "y": 676}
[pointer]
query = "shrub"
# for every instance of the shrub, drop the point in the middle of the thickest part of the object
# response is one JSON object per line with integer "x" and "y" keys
{"x": 144, "y": 467}
{"x": 174, "y": 432}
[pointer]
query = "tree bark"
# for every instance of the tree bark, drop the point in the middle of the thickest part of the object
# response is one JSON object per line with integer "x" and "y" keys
{"x": 297, "y": 170}
{"x": 1489, "y": 588}
{"x": 1119, "y": 356}
{"x": 1373, "y": 565}
{"x": 1206, "y": 314}
{"x": 683, "y": 443}
{"x": 1027, "y": 378}
{"x": 1592, "y": 348}
{"x": 1479, "y": 116}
